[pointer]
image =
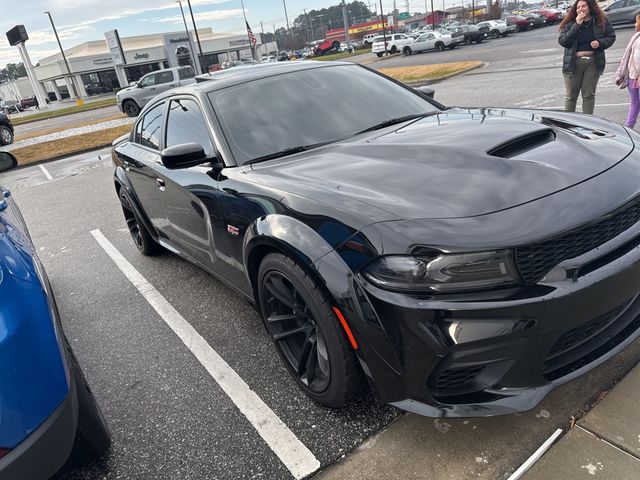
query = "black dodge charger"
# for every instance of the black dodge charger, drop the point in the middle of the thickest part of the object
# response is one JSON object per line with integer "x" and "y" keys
{"x": 457, "y": 261}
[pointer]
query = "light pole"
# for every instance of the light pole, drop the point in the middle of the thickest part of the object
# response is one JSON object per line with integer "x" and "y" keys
{"x": 195, "y": 29}
{"x": 64, "y": 57}
{"x": 286, "y": 16}
{"x": 193, "y": 55}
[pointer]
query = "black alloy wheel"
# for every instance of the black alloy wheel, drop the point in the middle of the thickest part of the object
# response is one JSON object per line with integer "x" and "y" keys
{"x": 394, "y": 50}
{"x": 131, "y": 108}
{"x": 406, "y": 51}
{"x": 495, "y": 34}
{"x": 139, "y": 233}
{"x": 467, "y": 40}
{"x": 440, "y": 46}
{"x": 6, "y": 137}
{"x": 306, "y": 333}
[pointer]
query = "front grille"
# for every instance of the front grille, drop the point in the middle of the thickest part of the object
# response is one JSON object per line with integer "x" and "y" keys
{"x": 587, "y": 342}
{"x": 534, "y": 261}
{"x": 457, "y": 380}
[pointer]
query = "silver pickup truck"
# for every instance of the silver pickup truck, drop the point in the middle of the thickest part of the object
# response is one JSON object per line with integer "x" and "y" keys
{"x": 130, "y": 100}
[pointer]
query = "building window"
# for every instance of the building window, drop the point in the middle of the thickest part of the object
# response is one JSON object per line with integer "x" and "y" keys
{"x": 97, "y": 83}
{"x": 209, "y": 60}
{"x": 136, "y": 72}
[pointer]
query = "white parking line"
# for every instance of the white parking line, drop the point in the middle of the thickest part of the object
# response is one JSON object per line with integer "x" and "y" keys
{"x": 291, "y": 451}
{"x": 536, "y": 455}
{"x": 46, "y": 172}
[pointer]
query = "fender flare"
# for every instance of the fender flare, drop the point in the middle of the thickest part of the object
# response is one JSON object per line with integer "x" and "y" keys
{"x": 121, "y": 181}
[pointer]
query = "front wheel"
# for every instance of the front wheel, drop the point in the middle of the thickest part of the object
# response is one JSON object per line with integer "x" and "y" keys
{"x": 406, "y": 51}
{"x": 393, "y": 50}
{"x": 131, "y": 108}
{"x": 307, "y": 334}
{"x": 467, "y": 41}
{"x": 379, "y": 54}
{"x": 495, "y": 34}
{"x": 139, "y": 233}
{"x": 6, "y": 136}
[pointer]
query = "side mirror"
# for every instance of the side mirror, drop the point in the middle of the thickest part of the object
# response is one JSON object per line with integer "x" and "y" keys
{"x": 183, "y": 156}
{"x": 7, "y": 161}
{"x": 426, "y": 90}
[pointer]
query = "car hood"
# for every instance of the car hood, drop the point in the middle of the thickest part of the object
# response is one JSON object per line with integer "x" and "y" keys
{"x": 126, "y": 89}
{"x": 457, "y": 163}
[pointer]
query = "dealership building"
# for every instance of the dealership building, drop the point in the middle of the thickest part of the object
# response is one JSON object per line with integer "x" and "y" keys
{"x": 94, "y": 71}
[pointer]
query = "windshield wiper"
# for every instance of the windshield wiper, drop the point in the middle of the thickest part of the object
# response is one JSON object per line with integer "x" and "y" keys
{"x": 285, "y": 152}
{"x": 393, "y": 121}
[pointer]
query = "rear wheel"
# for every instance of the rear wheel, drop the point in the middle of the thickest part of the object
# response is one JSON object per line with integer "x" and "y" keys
{"x": 139, "y": 233}
{"x": 6, "y": 136}
{"x": 131, "y": 108}
{"x": 440, "y": 46}
{"x": 308, "y": 336}
{"x": 467, "y": 40}
{"x": 494, "y": 34}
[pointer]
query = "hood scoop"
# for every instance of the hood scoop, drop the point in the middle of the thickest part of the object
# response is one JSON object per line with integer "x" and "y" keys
{"x": 522, "y": 144}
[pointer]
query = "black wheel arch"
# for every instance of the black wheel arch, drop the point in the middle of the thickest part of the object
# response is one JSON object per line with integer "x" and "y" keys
{"x": 121, "y": 181}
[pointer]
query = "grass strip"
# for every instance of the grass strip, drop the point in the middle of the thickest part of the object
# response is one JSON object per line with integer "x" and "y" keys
{"x": 427, "y": 72}
{"x": 68, "y": 146}
{"x": 336, "y": 56}
{"x": 79, "y": 123}
{"x": 60, "y": 112}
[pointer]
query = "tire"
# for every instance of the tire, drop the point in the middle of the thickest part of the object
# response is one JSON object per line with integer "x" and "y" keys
{"x": 336, "y": 45}
{"x": 131, "y": 108}
{"x": 92, "y": 434}
{"x": 440, "y": 46}
{"x": 494, "y": 34}
{"x": 393, "y": 50}
{"x": 379, "y": 54}
{"x": 6, "y": 135}
{"x": 517, "y": 28}
{"x": 307, "y": 334}
{"x": 141, "y": 237}
{"x": 406, "y": 51}
{"x": 467, "y": 41}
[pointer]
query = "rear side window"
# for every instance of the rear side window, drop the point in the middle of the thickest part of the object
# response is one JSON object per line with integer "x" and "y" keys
{"x": 164, "y": 77}
{"x": 151, "y": 127}
{"x": 186, "y": 73}
{"x": 186, "y": 124}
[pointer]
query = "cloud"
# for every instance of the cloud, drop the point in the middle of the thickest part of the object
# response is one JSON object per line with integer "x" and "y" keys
{"x": 202, "y": 16}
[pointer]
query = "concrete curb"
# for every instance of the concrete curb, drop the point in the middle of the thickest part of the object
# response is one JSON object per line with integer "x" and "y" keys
{"x": 421, "y": 83}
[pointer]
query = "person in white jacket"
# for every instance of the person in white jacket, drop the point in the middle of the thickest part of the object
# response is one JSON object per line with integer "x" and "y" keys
{"x": 629, "y": 73}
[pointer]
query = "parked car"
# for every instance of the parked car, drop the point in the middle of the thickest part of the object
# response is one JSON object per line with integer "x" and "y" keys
{"x": 368, "y": 38}
{"x": 471, "y": 33}
{"x": 522, "y": 23}
{"x": 431, "y": 250}
{"x": 11, "y": 106}
{"x": 431, "y": 41}
{"x": 394, "y": 43}
{"x": 6, "y": 129}
{"x": 27, "y": 102}
{"x": 268, "y": 59}
{"x": 326, "y": 46}
{"x": 622, "y": 11}
{"x": 538, "y": 20}
{"x": 131, "y": 99}
{"x": 96, "y": 88}
{"x": 554, "y": 16}
{"x": 344, "y": 48}
{"x": 47, "y": 408}
{"x": 511, "y": 26}
{"x": 496, "y": 29}
{"x": 237, "y": 63}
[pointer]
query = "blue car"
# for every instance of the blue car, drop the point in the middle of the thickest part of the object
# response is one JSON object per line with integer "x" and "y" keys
{"x": 48, "y": 415}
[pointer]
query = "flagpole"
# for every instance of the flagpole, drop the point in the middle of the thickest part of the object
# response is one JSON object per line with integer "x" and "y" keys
{"x": 253, "y": 54}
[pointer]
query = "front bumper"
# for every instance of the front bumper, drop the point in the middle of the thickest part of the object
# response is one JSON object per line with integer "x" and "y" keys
{"x": 498, "y": 352}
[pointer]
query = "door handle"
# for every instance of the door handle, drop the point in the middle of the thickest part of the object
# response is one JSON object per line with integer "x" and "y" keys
{"x": 160, "y": 184}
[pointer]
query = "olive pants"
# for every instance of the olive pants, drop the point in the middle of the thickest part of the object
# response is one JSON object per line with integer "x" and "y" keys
{"x": 584, "y": 78}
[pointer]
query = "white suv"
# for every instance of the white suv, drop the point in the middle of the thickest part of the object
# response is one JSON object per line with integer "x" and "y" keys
{"x": 368, "y": 38}
{"x": 395, "y": 43}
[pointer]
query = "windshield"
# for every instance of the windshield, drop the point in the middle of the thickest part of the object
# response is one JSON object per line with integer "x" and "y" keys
{"x": 309, "y": 107}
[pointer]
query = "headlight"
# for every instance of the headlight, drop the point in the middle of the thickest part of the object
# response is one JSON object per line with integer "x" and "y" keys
{"x": 444, "y": 272}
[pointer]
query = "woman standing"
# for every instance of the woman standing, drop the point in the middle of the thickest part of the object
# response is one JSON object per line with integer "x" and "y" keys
{"x": 585, "y": 33}
{"x": 629, "y": 72}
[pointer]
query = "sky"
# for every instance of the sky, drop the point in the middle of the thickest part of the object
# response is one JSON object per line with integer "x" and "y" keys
{"x": 79, "y": 21}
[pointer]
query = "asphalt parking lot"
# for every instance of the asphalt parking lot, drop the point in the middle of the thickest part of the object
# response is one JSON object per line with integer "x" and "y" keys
{"x": 170, "y": 415}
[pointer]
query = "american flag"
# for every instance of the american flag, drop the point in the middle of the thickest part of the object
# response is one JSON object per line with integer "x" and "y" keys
{"x": 252, "y": 37}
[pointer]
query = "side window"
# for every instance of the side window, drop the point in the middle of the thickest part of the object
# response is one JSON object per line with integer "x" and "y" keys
{"x": 186, "y": 125}
{"x": 164, "y": 77}
{"x": 616, "y": 5}
{"x": 149, "y": 80}
{"x": 151, "y": 127}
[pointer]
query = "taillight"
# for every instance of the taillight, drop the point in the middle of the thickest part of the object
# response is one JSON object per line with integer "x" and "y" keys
{"x": 4, "y": 451}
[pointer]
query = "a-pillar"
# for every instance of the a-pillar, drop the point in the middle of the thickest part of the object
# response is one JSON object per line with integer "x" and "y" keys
{"x": 82, "y": 93}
